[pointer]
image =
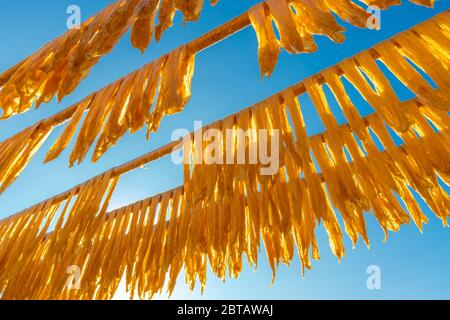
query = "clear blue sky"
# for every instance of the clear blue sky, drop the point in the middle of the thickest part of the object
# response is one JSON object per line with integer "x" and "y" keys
{"x": 227, "y": 79}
